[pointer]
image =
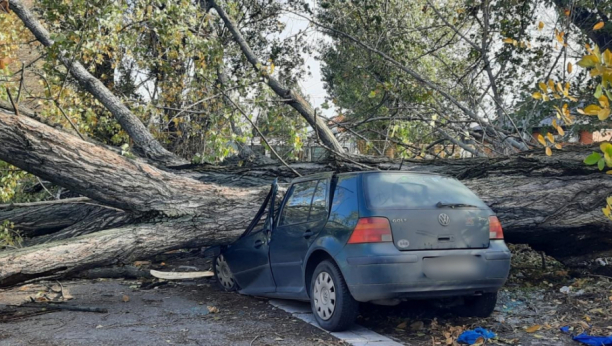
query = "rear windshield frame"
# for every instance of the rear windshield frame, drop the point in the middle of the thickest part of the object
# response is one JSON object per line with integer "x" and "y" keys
{"x": 366, "y": 196}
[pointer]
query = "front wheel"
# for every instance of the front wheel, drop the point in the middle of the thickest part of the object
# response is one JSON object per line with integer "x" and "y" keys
{"x": 332, "y": 304}
{"x": 223, "y": 274}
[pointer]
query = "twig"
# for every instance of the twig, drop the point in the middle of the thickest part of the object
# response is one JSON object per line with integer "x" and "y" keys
{"x": 44, "y": 187}
{"x": 261, "y": 135}
{"x": 12, "y": 102}
{"x": 51, "y": 306}
{"x": 252, "y": 341}
{"x": 20, "y": 83}
{"x": 67, "y": 118}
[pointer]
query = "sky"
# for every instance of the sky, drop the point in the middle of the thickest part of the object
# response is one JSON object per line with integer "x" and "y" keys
{"x": 311, "y": 85}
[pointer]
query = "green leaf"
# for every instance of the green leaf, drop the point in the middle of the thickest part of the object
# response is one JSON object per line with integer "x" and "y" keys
{"x": 601, "y": 164}
{"x": 598, "y": 92}
{"x": 372, "y": 94}
{"x": 592, "y": 159}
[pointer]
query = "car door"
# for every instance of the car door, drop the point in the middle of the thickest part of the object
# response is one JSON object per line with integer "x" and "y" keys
{"x": 302, "y": 217}
{"x": 248, "y": 257}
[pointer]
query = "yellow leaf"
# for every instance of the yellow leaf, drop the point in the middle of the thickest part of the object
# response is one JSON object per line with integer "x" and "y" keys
{"x": 541, "y": 139}
{"x": 550, "y": 137}
{"x": 607, "y": 57}
{"x": 609, "y": 199}
{"x": 567, "y": 12}
{"x": 603, "y": 114}
{"x": 533, "y": 329}
{"x": 591, "y": 110}
{"x": 598, "y": 26}
{"x": 272, "y": 68}
{"x": 537, "y": 95}
{"x": 606, "y": 211}
{"x": 548, "y": 153}
{"x": 540, "y": 25}
{"x": 561, "y": 131}
{"x": 603, "y": 101}
{"x": 588, "y": 61}
{"x": 609, "y": 172}
{"x": 543, "y": 87}
{"x": 508, "y": 40}
{"x": 569, "y": 67}
{"x": 558, "y": 146}
{"x": 559, "y": 88}
{"x": 551, "y": 85}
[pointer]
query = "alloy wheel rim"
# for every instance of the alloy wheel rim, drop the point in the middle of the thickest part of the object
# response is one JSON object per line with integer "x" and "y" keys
{"x": 224, "y": 274}
{"x": 324, "y": 295}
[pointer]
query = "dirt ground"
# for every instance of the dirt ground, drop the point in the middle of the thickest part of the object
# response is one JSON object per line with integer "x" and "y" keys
{"x": 531, "y": 308}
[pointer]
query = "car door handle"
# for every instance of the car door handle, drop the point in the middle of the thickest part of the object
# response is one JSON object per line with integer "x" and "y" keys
{"x": 308, "y": 234}
{"x": 258, "y": 243}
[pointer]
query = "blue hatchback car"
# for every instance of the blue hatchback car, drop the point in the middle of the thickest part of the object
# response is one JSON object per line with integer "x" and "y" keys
{"x": 382, "y": 237}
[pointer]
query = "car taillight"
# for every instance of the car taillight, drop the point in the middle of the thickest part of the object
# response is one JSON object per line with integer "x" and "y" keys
{"x": 371, "y": 230}
{"x": 495, "y": 228}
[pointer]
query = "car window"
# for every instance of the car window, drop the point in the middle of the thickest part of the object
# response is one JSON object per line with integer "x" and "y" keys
{"x": 344, "y": 208}
{"x": 416, "y": 191}
{"x": 318, "y": 210}
{"x": 298, "y": 205}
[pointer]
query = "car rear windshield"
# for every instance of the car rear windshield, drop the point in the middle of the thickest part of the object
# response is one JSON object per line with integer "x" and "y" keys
{"x": 416, "y": 191}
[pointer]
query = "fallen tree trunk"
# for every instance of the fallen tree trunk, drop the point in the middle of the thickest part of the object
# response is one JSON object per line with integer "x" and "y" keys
{"x": 74, "y": 215}
{"x": 552, "y": 203}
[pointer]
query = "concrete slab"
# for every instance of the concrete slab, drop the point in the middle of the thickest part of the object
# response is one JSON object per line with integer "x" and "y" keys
{"x": 356, "y": 336}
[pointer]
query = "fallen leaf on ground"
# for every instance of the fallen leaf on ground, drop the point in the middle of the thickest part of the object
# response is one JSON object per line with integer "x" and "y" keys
{"x": 402, "y": 325}
{"x": 533, "y": 329}
{"x": 418, "y": 325}
{"x": 125, "y": 298}
{"x": 213, "y": 309}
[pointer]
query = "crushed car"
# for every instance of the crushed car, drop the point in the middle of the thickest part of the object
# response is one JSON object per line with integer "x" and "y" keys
{"x": 341, "y": 239}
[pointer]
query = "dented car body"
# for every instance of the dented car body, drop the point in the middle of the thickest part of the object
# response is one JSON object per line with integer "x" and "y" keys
{"x": 339, "y": 239}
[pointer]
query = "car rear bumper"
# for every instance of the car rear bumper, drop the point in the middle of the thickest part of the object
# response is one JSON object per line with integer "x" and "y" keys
{"x": 386, "y": 273}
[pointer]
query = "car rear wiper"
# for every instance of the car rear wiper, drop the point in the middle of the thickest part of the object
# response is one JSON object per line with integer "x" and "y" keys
{"x": 454, "y": 205}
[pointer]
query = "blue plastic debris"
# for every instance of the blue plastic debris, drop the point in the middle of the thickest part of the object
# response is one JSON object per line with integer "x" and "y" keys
{"x": 589, "y": 339}
{"x": 471, "y": 336}
{"x": 594, "y": 340}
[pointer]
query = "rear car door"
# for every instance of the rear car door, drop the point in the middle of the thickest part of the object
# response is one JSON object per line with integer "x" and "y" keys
{"x": 248, "y": 257}
{"x": 302, "y": 217}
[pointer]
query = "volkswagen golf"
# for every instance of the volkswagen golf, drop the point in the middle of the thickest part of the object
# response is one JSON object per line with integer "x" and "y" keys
{"x": 340, "y": 239}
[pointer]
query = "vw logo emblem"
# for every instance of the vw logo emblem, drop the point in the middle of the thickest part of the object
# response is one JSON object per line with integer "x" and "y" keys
{"x": 444, "y": 219}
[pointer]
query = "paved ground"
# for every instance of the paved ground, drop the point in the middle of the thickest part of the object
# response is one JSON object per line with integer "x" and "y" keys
{"x": 170, "y": 315}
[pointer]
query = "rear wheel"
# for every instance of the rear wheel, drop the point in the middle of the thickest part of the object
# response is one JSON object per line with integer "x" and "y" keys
{"x": 223, "y": 274}
{"x": 479, "y": 306}
{"x": 332, "y": 304}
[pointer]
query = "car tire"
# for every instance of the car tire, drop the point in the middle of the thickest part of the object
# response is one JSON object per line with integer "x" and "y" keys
{"x": 223, "y": 274}
{"x": 479, "y": 306}
{"x": 333, "y": 306}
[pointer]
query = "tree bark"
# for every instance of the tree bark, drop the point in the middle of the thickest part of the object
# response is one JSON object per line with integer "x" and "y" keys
{"x": 141, "y": 136}
{"x": 45, "y": 218}
{"x": 295, "y": 100}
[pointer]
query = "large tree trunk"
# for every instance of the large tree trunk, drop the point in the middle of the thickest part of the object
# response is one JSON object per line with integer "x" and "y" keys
{"x": 553, "y": 203}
